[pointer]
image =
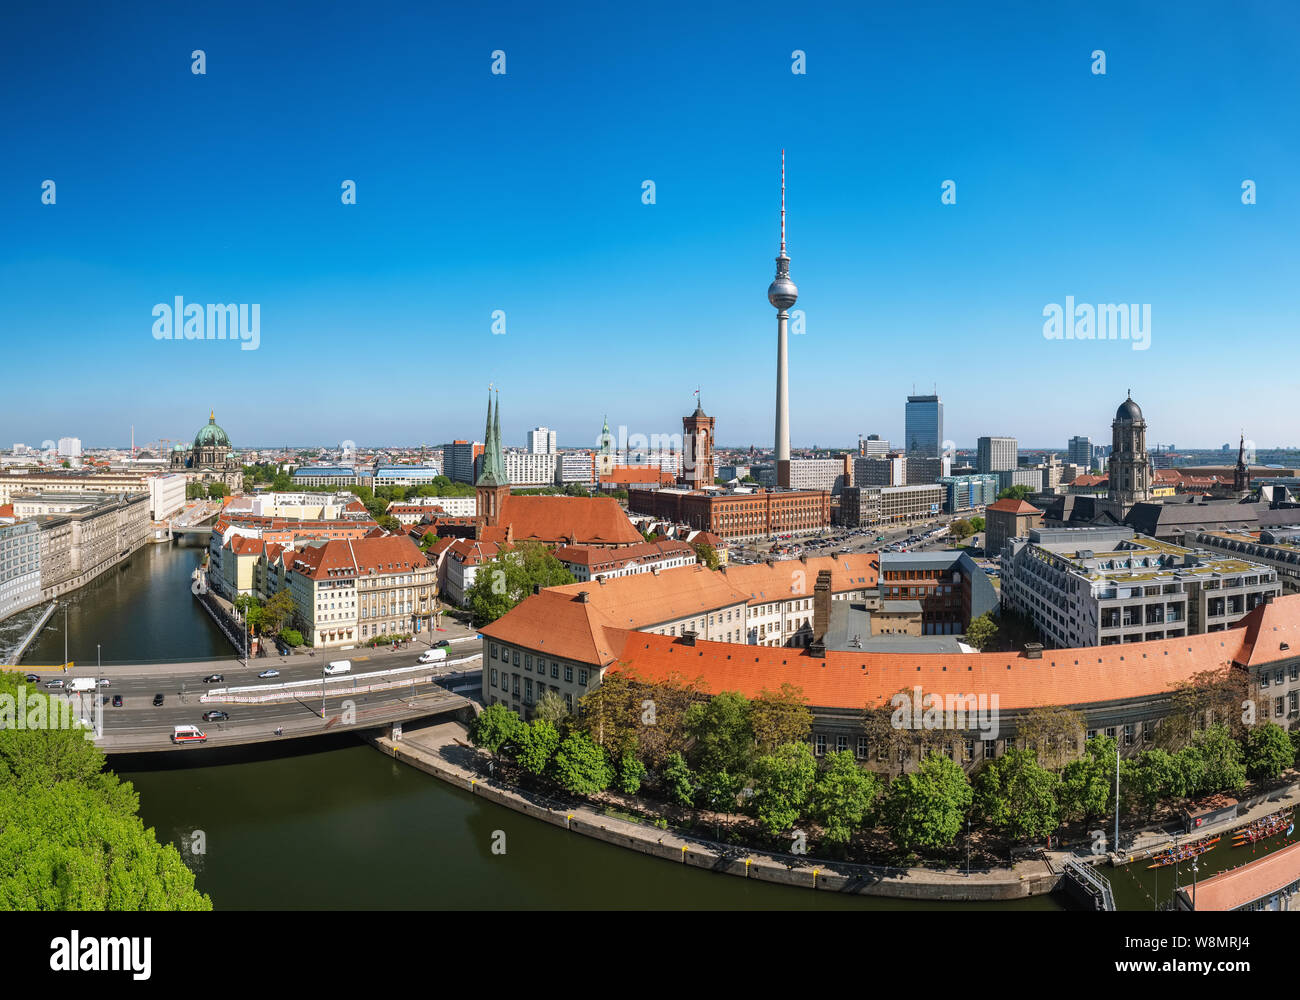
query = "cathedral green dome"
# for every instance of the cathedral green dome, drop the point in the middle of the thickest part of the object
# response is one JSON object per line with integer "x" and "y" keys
{"x": 211, "y": 436}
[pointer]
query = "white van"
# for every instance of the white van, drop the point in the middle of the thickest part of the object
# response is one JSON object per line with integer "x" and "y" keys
{"x": 338, "y": 667}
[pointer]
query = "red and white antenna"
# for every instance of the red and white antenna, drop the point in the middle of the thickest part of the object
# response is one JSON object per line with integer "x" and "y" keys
{"x": 783, "y": 203}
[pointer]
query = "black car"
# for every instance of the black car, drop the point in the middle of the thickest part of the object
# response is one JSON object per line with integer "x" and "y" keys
{"x": 441, "y": 642}
{"x": 215, "y": 716}
{"x": 117, "y": 701}
{"x": 33, "y": 679}
{"x": 213, "y": 679}
{"x": 157, "y": 700}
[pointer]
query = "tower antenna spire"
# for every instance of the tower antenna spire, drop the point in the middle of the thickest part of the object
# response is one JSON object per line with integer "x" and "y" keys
{"x": 783, "y": 203}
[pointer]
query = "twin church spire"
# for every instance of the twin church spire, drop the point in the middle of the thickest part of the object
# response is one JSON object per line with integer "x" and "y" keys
{"x": 493, "y": 470}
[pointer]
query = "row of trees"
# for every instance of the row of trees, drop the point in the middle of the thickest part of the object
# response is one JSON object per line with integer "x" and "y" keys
{"x": 271, "y": 617}
{"x": 734, "y": 755}
{"x": 206, "y": 491}
{"x": 70, "y": 836}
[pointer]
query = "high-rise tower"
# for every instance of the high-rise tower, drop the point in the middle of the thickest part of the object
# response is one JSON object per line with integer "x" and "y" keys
{"x": 697, "y": 449}
{"x": 782, "y": 293}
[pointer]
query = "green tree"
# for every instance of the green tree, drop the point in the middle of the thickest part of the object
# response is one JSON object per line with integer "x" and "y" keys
{"x": 218, "y": 491}
{"x": 1088, "y": 784}
{"x": 580, "y": 766}
{"x": 960, "y": 529}
{"x": 552, "y": 708}
{"x": 497, "y": 726}
{"x": 281, "y": 483}
{"x": 977, "y": 524}
{"x": 630, "y": 772}
{"x": 1268, "y": 751}
{"x": 389, "y": 523}
{"x": 504, "y": 581}
{"x": 1017, "y": 492}
{"x": 537, "y": 745}
{"x": 291, "y": 636}
{"x": 1145, "y": 779}
{"x": 1054, "y": 734}
{"x": 783, "y": 781}
{"x": 1225, "y": 766}
{"x": 1186, "y": 774}
{"x": 1017, "y": 796}
{"x": 278, "y": 611}
{"x": 925, "y": 809}
{"x": 707, "y": 555}
{"x": 780, "y": 717}
{"x": 723, "y": 734}
{"x": 70, "y": 836}
{"x": 843, "y": 797}
{"x": 982, "y": 631}
{"x": 679, "y": 781}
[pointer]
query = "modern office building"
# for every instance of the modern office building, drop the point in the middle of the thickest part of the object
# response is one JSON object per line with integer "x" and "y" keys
{"x": 963, "y": 493}
{"x": 461, "y": 458}
{"x": 327, "y": 475}
{"x": 867, "y": 506}
{"x": 83, "y": 534}
{"x": 530, "y": 468}
{"x": 871, "y": 445}
{"x": 1025, "y": 476}
{"x": 541, "y": 441}
{"x": 923, "y": 421}
{"x": 882, "y": 470}
{"x": 829, "y": 474}
{"x": 1080, "y": 452}
{"x": 1106, "y": 586}
{"x": 70, "y": 447}
{"x": 996, "y": 454}
{"x": 166, "y": 495}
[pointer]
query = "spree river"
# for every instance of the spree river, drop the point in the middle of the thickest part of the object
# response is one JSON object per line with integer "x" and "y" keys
{"x": 341, "y": 826}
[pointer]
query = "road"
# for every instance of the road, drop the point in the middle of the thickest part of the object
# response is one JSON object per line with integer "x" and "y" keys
{"x": 139, "y": 725}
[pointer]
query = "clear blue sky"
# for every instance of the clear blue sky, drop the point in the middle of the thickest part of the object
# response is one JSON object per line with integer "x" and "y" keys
{"x": 523, "y": 193}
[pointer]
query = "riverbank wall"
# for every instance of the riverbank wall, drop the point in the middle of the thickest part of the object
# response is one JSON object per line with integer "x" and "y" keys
{"x": 442, "y": 751}
{"x": 17, "y": 654}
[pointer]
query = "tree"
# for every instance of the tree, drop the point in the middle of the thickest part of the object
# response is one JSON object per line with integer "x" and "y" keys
{"x": 982, "y": 631}
{"x": 843, "y": 797}
{"x": 389, "y": 523}
{"x": 977, "y": 524}
{"x": 678, "y": 780}
{"x": 925, "y": 809}
{"x": 783, "y": 781}
{"x": 537, "y": 746}
{"x": 217, "y": 491}
{"x": 1225, "y": 767}
{"x": 552, "y": 708}
{"x": 580, "y": 766}
{"x": 959, "y": 529}
{"x": 497, "y": 726}
{"x": 723, "y": 734}
{"x": 707, "y": 555}
{"x": 1055, "y": 734}
{"x": 1268, "y": 751}
{"x": 1145, "y": 779}
{"x": 506, "y": 580}
{"x": 70, "y": 836}
{"x": 1017, "y": 492}
{"x": 1186, "y": 773}
{"x": 1209, "y": 697}
{"x": 291, "y": 636}
{"x": 1017, "y": 796}
{"x": 278, "y": 611}
{"x": 1088, "y": 784}
{"x": 780, "y": 717}
{"x": 630, "y": 772}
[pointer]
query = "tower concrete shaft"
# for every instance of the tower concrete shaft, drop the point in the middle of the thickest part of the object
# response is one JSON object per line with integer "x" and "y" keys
{"x": 782, "y": 294}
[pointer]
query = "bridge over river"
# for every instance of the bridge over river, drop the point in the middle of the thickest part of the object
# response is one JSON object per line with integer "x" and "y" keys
{"x": 383, "y": 689}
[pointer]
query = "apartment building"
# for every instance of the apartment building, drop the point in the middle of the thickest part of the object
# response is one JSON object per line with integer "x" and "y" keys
{"x": 20, "y": 567}
{"x": 1108, "y": 586}
{"x": 587, "y": 563}
{"x": 83, "y": 534}
{"x": 868, "y": 506}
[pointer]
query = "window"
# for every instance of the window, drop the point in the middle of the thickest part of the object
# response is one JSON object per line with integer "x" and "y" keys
{"x": 1129, "y": 733}
{"x": 861, "y": 753}
{"x": 516, "y": 659}
{"x": 516, "y": 677}
{"x": 990, "y": 749}
{"x": 582, "y": 676}
{"x": 841, "y": 744}
{"x": 819, "y": 744}
{"x": 494, "y": 677}
{"x": 528, "y": 663}
{"x": 1278, "y": 710}
{"x": 568, "y": 672}
{"x": 555, "y": 670}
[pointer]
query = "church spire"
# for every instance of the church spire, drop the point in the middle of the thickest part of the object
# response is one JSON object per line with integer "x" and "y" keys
{"x": 492, "y": 470}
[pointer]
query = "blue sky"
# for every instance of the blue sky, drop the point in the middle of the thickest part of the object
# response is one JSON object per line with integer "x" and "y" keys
{"x": 522, "y": 193}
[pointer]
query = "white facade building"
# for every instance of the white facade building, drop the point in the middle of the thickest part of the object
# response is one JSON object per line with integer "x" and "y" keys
{"x": 526, "y": 469}
{"x": 20, "y": 567}
{"x": 70, "y": 447}
{"x": 166, "y": 495}
{"x": 541, "y": 441}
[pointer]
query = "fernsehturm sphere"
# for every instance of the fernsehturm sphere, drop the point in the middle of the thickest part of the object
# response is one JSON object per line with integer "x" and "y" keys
{"x": 782, "y": 293}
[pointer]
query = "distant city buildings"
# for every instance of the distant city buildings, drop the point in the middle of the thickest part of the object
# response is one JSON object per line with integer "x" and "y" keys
{"x": 868, "y": 506}
{"x": 963, "y": 493}
{"x": 70, "y": 447}
{"x": 20, "y": 567}
{"x": 461, "y": 459}
{"x": 1079, "y": 452}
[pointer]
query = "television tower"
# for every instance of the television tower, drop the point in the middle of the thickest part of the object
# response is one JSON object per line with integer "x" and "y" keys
{"x": 782, "y": 293}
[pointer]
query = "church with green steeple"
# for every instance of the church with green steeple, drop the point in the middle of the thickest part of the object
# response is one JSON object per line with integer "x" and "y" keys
{"x": 492, "y": 487}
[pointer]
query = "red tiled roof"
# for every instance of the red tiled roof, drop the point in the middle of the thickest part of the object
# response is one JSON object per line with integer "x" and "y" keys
{"x": 575, "y": 520}
{"x": 583, "y": 555}
{"x": 1012, "y": 506}
{"x": 560, "y": 624}
{"x": 360, "y": 556}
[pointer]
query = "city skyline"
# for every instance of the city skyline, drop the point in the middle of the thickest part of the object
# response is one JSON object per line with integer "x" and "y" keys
{"x": 516, "y": 206}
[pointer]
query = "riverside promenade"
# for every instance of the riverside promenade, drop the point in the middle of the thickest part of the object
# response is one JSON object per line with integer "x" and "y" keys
{"x": 443, "y": 751}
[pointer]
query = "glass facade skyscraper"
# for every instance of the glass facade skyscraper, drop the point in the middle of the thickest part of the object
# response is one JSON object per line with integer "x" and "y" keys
{"x": 923, "y": 426}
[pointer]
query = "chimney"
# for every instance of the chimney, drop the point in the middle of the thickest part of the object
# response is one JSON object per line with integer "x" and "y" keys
{"x": 817, "y": 649}
{"x": 1033, "y": 651}
{"x": 821, "y": 608}
{"x": 688, "y": 638}
{"x": 584, "y": 597}
{"x": 537, "y": 588}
